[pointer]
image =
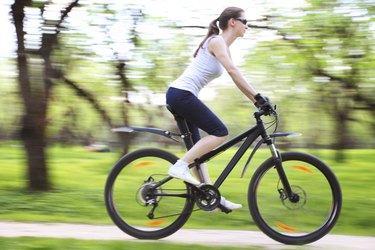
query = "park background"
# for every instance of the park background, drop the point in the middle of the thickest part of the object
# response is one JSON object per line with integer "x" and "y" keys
{"x": 70, "y": 71}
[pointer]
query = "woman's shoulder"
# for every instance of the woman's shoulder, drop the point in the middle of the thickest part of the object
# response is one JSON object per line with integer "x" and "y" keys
{"x": 216, "y": 41}
{"x": 216, "y": 38}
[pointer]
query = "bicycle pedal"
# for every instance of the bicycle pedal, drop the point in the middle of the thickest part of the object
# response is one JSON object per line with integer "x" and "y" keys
{"x": 224, "y": 209}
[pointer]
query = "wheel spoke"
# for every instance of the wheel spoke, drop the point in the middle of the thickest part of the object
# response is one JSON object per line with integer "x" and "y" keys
{"x": 142, "y": 200}
{"x": 305, "y": 216}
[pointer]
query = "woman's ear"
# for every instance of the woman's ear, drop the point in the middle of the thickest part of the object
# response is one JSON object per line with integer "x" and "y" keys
{"x": 232, "y": 21}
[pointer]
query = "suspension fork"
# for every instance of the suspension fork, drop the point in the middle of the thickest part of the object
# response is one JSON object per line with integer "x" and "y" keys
{"x": 277, "y": 159}
{"x": 280, "y": 170}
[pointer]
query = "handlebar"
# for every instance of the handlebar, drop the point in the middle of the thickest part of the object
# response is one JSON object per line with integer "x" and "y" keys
{"x": 264, "y": 106}
{"x": 261, "y": 112}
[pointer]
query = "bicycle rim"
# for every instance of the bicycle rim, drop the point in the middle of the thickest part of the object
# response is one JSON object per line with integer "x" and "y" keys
{"x": 136, "y": 206}
{"x": 295, "y": 222}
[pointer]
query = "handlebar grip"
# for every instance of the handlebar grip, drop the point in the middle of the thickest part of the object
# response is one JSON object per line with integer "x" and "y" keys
{"x": 270, "y": 110}
{"x": 264, "y": 105}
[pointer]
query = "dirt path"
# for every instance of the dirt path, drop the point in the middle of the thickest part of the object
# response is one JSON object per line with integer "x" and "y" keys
{"x": 185, "y": 236}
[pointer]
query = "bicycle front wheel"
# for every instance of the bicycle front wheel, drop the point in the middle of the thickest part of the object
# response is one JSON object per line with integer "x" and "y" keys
{"x": 313, "y": 211}
{"x": 135, "y": 202}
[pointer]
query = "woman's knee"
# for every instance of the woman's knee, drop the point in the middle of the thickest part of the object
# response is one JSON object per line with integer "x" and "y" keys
{"x": 222, "y": 138}
{"x": 221, "y": 132}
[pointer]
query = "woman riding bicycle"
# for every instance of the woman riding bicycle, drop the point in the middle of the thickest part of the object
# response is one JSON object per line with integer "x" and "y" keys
{"x": 210, "y": 60}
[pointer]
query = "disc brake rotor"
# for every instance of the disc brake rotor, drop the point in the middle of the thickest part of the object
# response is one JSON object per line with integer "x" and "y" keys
{"x": 297, "y": 190}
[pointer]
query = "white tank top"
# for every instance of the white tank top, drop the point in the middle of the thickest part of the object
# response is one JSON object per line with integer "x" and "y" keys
{"x": 202, "y": 70}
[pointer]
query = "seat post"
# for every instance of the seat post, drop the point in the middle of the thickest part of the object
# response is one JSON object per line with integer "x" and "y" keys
{"x": 183, "y": 127}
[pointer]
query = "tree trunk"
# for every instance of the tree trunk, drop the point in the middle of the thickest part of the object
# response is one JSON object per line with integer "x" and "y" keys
{"x": 342, "y": 133}
{"x": 126, "y": 86}
{"x": 33, "y": 137}
{"x": 34, "y": 120}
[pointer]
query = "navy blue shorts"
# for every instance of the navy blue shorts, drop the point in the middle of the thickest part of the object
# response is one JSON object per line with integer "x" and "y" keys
{"x": 196, "y": 113}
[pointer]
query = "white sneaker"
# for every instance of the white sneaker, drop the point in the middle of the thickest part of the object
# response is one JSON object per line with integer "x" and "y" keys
{"x": 181, "y": 171}
{"x": 229, "y": 205}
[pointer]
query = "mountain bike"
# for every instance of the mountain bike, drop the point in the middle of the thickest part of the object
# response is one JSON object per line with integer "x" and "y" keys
{"x": 293, "y": 197}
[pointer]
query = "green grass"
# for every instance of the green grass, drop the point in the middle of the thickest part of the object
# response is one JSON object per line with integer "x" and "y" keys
{"x": 79, "y": 176}
{"x": 26, "y": 243}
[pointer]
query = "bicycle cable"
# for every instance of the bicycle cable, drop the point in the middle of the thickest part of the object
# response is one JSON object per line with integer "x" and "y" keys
{"x": 271, "y": 123}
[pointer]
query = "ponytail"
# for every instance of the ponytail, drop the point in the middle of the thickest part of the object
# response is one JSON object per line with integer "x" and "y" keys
{"x": 213, "y": 29}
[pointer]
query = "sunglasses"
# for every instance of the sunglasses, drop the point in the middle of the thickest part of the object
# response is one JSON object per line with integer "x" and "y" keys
{"x": 244, "y": 21}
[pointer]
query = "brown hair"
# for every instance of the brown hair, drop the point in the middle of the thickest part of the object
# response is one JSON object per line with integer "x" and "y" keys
{"x": 213, "y": 29}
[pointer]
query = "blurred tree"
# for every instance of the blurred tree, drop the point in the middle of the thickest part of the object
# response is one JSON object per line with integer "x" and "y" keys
{"x": 121, "y": 65}
{"x": 37, "y": 79}
{"x": 44, "y": 63}
{"x": 35, "y": 83}
{"x": 330, "y": 54}
{"x": 132, "y": 57}
{"x": 338, "y": 43}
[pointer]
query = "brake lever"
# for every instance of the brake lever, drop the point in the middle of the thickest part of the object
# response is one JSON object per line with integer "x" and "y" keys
{"x": 270, "y": 111}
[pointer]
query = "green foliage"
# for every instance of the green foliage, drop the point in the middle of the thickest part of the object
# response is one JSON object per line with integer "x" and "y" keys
{"x": 320, "y": 68}
{"x": 336, "y": 36}
{"x": 320, "y": 74}
{"x": 148, "y": 69}
{"x": 10, "y": 105}
{"x": 160, "y": 60}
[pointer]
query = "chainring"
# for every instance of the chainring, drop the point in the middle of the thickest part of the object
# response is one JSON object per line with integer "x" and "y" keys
{"x": 207, "y": 197}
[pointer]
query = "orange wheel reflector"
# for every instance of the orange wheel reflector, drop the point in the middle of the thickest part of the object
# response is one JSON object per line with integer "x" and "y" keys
{"x": 143, "y": 164}
{"x": 285, "y": 227}
{"x": 155, "y": 223}
{"x": 302, "y": 168}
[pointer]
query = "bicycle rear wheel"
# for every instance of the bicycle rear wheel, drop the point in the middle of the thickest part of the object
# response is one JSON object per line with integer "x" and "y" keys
{"x": 302, "y": 220}
{"x": 136, "y": 206}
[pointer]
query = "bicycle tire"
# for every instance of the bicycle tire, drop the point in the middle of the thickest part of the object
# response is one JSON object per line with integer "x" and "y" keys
{"x": 304, "y": 221}
{"x": 128, "y": 203}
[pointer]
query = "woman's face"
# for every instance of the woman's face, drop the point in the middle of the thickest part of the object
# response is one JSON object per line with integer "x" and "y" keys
{"x": 241, "y": 25}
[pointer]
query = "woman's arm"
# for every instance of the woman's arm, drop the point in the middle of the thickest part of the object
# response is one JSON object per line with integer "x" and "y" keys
{"x": 220, "y": 50}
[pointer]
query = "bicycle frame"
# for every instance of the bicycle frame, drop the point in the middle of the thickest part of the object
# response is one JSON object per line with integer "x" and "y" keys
{"x": 248, "y": 136}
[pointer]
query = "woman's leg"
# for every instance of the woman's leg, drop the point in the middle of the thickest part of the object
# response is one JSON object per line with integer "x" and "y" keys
{"x": 202, "y": 175}
{"x": 181, "y": 170}
{"x": 203, "y": 146}
{"x": 197, "y": 115}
